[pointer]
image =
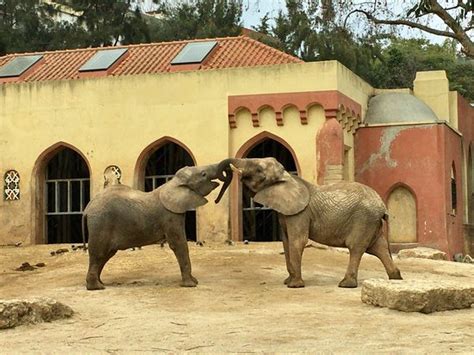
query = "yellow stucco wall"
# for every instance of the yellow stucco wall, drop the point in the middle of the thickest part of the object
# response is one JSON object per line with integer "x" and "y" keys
{"x": 111, "y": 120}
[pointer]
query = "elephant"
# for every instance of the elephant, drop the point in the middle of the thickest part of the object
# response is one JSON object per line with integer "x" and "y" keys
{"x": 344, "y": 214}
{"x": 121, "y": 217}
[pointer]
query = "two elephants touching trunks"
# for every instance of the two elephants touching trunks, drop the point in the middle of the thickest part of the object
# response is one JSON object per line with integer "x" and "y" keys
{"x": 345, "y": 214}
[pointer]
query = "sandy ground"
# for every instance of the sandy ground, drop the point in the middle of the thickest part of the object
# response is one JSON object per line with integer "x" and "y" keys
{"x": 240, "y": 304}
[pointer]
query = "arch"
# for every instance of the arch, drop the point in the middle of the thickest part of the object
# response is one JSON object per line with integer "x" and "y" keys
{"x": 470, "y": 184}
{"x": 159, "y": 162}
{"x": 252, "y": 142}
{"x": 453, "y": 189}
{"x": 38, "y": 181}
{"x": 139, "y": 172}
{"x": 402, "y": 210}
{"x": 255, "y": 216}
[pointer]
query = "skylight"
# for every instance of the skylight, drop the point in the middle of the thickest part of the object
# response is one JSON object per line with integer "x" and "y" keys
{"x": 103, "y": 59}
{"x": 194, "y": 52}
{"x": 19, "y": 65}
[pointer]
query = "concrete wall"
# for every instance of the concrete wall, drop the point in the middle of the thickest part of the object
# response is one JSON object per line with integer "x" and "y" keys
{"x": 112, "y": 120}
{"x": 417, "y": 157}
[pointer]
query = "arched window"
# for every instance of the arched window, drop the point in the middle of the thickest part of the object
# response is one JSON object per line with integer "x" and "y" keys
{"x": 67, "y": 192}
{"x": 160, "y": 167}
{"x": 260, "y": 223}
{"x": 454, "y": 198}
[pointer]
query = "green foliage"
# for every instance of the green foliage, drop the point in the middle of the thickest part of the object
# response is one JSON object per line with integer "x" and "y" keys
{"x": 110, "y": 21}
{"x": 197, "y": 19}
{"x": 384, "y": 62}
{"x": 29, "y": 25}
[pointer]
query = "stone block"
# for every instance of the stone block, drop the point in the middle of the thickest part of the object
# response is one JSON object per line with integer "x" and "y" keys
{"x": 423, "y": 253}
{"x": 18, "y": 312}
{"x": 424, "y": 296}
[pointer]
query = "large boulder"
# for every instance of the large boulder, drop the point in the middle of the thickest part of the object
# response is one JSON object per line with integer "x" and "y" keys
{"x": 18, "y": 312}
{"x": 417, "y": 295}
{"x": 422, "y": 252}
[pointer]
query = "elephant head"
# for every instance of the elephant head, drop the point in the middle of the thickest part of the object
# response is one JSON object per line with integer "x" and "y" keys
{"x": 272, "y": 185}
{"x": 186, "y": 190}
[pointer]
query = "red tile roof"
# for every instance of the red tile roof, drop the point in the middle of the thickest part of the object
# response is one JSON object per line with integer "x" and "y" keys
{"x": 231, "y": 52}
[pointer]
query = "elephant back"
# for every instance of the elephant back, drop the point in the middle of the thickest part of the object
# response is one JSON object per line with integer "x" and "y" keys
{"x": 347, "y": 198}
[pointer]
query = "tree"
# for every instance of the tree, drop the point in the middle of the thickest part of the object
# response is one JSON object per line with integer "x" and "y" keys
{"x": 456, "y": 16}
{"x": 28, "y": 25}
{"x": 108, "y": 22}
{"x": 197, "y": 19}
{"x": 309, "y": 30}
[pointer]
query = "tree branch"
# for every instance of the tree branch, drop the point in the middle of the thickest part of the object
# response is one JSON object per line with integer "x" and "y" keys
{"x": 402, "y": 22}
{"x": 458, "y": 33}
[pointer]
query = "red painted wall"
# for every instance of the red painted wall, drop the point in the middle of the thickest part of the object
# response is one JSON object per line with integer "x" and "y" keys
{"x": 418, "y": 157}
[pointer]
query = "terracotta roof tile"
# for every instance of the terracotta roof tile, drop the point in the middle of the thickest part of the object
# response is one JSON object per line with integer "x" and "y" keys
{"x": 156, "y": 57}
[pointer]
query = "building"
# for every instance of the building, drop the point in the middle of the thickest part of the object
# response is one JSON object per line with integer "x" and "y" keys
{"x": 141, "y": 112}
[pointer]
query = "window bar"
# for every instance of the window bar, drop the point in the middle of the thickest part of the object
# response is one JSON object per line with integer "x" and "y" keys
{"x": 69, "y": 197}
{"x": 56, "y": 196}
{"x": 81, "y": 198}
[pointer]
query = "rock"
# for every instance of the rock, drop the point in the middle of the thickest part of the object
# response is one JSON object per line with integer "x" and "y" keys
{"x": 18, "y": 312}
{"x": 40, "y": 265}
{"x": 229, "y": 242}
{"x": 423, "y": 253}
{"x": 417, "y": 295}
{"x": 25, "y": 267}
{"x": 458, "y": 257}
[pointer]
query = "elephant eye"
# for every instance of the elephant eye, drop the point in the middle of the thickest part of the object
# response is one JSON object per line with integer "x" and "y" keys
{"x": 203, "y": 173}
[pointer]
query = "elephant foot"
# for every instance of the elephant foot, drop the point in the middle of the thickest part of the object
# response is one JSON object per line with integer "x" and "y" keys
{"x": 348, "y": 282}
{"x": 295, "y": 283}
{"x": 395, "y": 275}
{"x": 94, "y": 285}
{"x": 287, "y": 280}
{"x": 191, "y": 282}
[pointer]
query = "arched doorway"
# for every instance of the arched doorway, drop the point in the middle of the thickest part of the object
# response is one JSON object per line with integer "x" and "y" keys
{"x": 260, "y": 223}
{"x": 402, "y": 216}
{"x": 66, "y": 194}
{"x": 162, "y": 164}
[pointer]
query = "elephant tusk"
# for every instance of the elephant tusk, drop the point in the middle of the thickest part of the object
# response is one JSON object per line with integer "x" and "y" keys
{"x": 235, "y": 169}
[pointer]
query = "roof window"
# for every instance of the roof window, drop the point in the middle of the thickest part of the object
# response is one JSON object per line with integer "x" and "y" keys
{"x": 103, "y": 59}
{"x": 19, "y": 65}
{"x": 194, "y": 52}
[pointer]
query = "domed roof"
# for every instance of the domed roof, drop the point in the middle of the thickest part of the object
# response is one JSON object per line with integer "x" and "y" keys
{"x": 397, "y": 107}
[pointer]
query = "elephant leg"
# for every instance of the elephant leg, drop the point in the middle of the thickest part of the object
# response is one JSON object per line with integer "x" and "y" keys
{"x": 350, "y": 279}
{"x": 382, "y": 251}
{"x": 297, "y": 234}
{"x": 96, "y": 265}
{"x": 284, "y": 239}
{"x": 105, "y": 260}
{"x": 177, "y": 242}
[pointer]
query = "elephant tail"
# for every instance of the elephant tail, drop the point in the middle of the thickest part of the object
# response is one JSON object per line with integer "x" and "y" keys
{"x": 85, "y": 231}
{"x": 384, "y": 231}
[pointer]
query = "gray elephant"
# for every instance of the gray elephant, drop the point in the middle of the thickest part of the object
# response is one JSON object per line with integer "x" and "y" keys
{"x": 346, "y": 214}
{"x": 120, "y": 217}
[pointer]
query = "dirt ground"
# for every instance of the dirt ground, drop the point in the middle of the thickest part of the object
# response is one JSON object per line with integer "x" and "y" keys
{"x": 240, "y": 304}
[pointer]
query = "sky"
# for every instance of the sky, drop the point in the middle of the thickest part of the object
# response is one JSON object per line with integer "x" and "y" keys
{"x": 254, "y": 10}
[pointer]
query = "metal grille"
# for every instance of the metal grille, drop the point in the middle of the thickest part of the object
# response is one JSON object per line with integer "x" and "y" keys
{"x": 67, "y": 196}
{"x": 154, "y": 181}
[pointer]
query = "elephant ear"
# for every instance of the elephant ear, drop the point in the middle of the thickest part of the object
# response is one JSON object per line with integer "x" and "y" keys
{"x": 180, "y": 198}
{"x": 288, "y": 196}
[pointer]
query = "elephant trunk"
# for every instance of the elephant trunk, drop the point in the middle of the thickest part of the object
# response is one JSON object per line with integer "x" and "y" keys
{"x": 224, "y": 167}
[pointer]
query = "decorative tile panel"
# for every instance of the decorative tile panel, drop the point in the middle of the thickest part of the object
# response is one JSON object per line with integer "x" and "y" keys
{"x": 12, "y": 186}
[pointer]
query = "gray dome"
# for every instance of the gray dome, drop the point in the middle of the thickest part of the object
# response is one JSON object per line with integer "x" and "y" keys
{"x": 397, "y": 107}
